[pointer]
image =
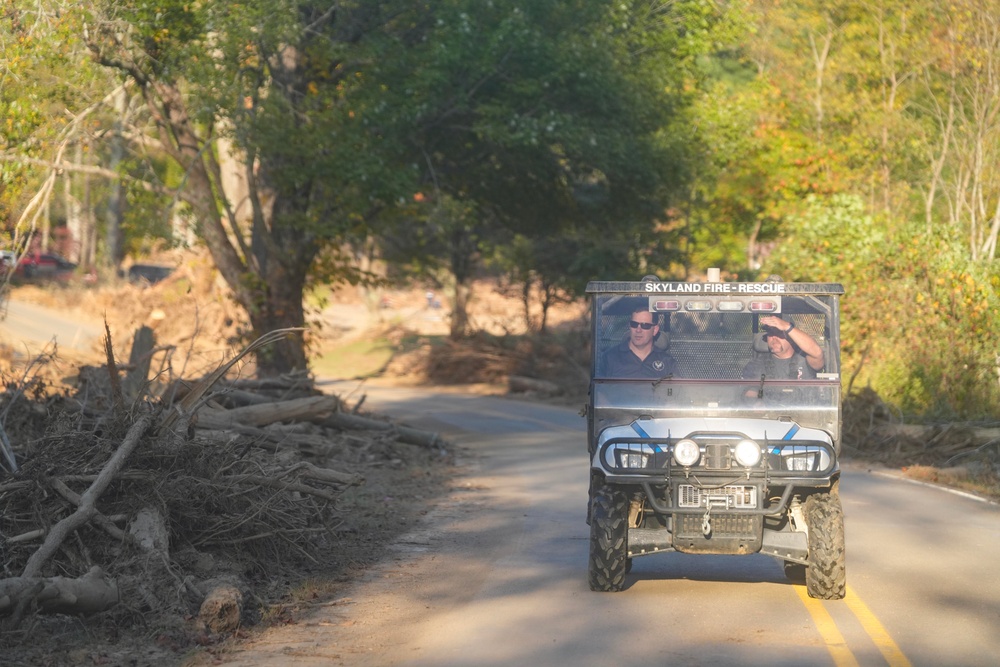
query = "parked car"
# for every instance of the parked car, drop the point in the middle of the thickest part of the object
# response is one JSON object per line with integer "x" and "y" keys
{"x": 148, "y": 273}
{"x": 36, "y": 266}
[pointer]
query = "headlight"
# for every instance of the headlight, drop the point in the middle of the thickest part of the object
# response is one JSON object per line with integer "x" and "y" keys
{"x": 801, "y": 462}
{"x": 628, "y": 459}
{"x": 805, "y": 458}
{"x": 686, "y": 452}
{"x": 747, "y": 453}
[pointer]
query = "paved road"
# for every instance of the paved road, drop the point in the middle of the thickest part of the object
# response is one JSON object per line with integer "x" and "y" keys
{"x": 497, "y": 575}
{"x": 29, "y": 326}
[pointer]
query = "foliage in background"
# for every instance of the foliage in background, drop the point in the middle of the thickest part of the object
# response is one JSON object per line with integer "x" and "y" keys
{"x": 920, "y": 319}
{"x": 858, "y": 144}
{"x": 545, "y": 120}
{"x": 560, "y": 142}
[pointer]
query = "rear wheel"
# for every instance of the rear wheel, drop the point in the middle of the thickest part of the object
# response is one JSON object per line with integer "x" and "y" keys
{"x": 608, "y": 562}
{"x": 826, "y": 575}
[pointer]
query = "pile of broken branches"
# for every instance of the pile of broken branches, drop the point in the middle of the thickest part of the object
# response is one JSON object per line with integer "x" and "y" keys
{"x": 123, "y": 500}
{"x": 873, "y": 431}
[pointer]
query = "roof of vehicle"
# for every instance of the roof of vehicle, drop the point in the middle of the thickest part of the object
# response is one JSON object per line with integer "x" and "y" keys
{"x": 710, "y": 288}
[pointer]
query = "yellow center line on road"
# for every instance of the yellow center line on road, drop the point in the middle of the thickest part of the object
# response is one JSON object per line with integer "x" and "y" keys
{"x": 890, "y": 651}
{"x": 835, "y": 644}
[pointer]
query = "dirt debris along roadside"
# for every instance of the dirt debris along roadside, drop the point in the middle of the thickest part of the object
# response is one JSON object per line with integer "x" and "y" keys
{"x": 60, "y": 416}
{"x": 274, "y": 508}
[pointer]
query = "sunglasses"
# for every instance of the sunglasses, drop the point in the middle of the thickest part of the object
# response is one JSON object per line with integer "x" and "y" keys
{"x": 646, "y": 326}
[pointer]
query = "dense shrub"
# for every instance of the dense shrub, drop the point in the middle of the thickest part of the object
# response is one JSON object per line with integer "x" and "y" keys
{"x": 919, "y": 319}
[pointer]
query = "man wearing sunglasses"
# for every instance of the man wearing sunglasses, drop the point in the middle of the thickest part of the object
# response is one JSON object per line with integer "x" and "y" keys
{"x": 637, "y": 357}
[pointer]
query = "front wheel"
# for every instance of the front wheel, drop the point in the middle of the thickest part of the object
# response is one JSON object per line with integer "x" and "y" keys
{"x": 609, "y": 561}
{"x": 826, "y": 575}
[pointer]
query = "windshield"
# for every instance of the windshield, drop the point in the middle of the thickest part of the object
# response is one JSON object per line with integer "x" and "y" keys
{"x": 759, "y": 338}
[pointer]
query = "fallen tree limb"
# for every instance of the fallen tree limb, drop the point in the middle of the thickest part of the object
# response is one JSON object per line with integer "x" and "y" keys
{"x": 104, "y": 522}
{"x": 310, "y": 408}
{"x": 26, "y": 537}
{"x": 323, "y": 410}
{"x": 41, "y": 532}
{"x": 88, "y": 500}
{"x": 406, "y": 434}
{"x": 328, "y": 475}
{"x": 88, "y": 594}
{"x": 237, "y": 398}
{"x": 294, "y": 381}
{"x": 304, "y": 469}
{"x": 285, "y": 534}
{"x": 281, "y": 485}
{"x": 271, "y": 440}
{"x": 181, "y": 411}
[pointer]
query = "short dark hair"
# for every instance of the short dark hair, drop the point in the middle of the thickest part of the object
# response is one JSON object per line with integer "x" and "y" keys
{"x": 657, "y": 318}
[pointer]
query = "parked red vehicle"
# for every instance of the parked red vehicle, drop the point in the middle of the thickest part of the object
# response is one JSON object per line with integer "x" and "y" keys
{"x": 41, "y": 266}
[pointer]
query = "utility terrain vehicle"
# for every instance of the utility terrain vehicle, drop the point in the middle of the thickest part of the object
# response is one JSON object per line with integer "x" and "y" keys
{"x": 719, "y": 448}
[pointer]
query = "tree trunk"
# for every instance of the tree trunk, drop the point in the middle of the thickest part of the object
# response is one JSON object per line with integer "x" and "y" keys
{"x": 283, "y": 261}
{"x": 268, "y": 276}
{"x": 463, "y": 259}
{"x": 526, "y": 301}
{"x": 460, "y": 311}
{"x": 287, "y": 354}
{"x": 74, "y": 212}
{"x": 222, "y": 608}
{"x": 116, "y": 198}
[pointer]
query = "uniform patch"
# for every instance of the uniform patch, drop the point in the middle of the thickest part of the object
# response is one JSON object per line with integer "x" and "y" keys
{"x": 658, "y": 365}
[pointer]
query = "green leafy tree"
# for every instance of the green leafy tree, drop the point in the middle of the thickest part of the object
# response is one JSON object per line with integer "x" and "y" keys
{"x": 38, "y": 85}
{"x": 508, "y": 110}
{"x": 919, "y": 317}
{"x": 551, "y": 117}
{"x": 63, "y": 160}
{"x": 547, "y": 271}
{"x": 832, "y": 139}
{"x": 285, "y": 82}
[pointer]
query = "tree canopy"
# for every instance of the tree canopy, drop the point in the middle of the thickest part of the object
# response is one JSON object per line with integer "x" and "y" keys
{"x": 554, "y": 142}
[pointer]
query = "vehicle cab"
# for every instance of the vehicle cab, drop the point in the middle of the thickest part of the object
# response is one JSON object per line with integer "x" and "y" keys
{"x": 714, "y": 425}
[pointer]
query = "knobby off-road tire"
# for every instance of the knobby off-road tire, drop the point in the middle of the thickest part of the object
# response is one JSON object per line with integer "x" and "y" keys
{"x": 826, "y": 575}
{"x": 608, "y": 539}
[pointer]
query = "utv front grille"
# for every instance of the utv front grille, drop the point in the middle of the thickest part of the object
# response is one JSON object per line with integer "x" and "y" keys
{"x": 717, "y": 456}
{"x": 731, "y": 496}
